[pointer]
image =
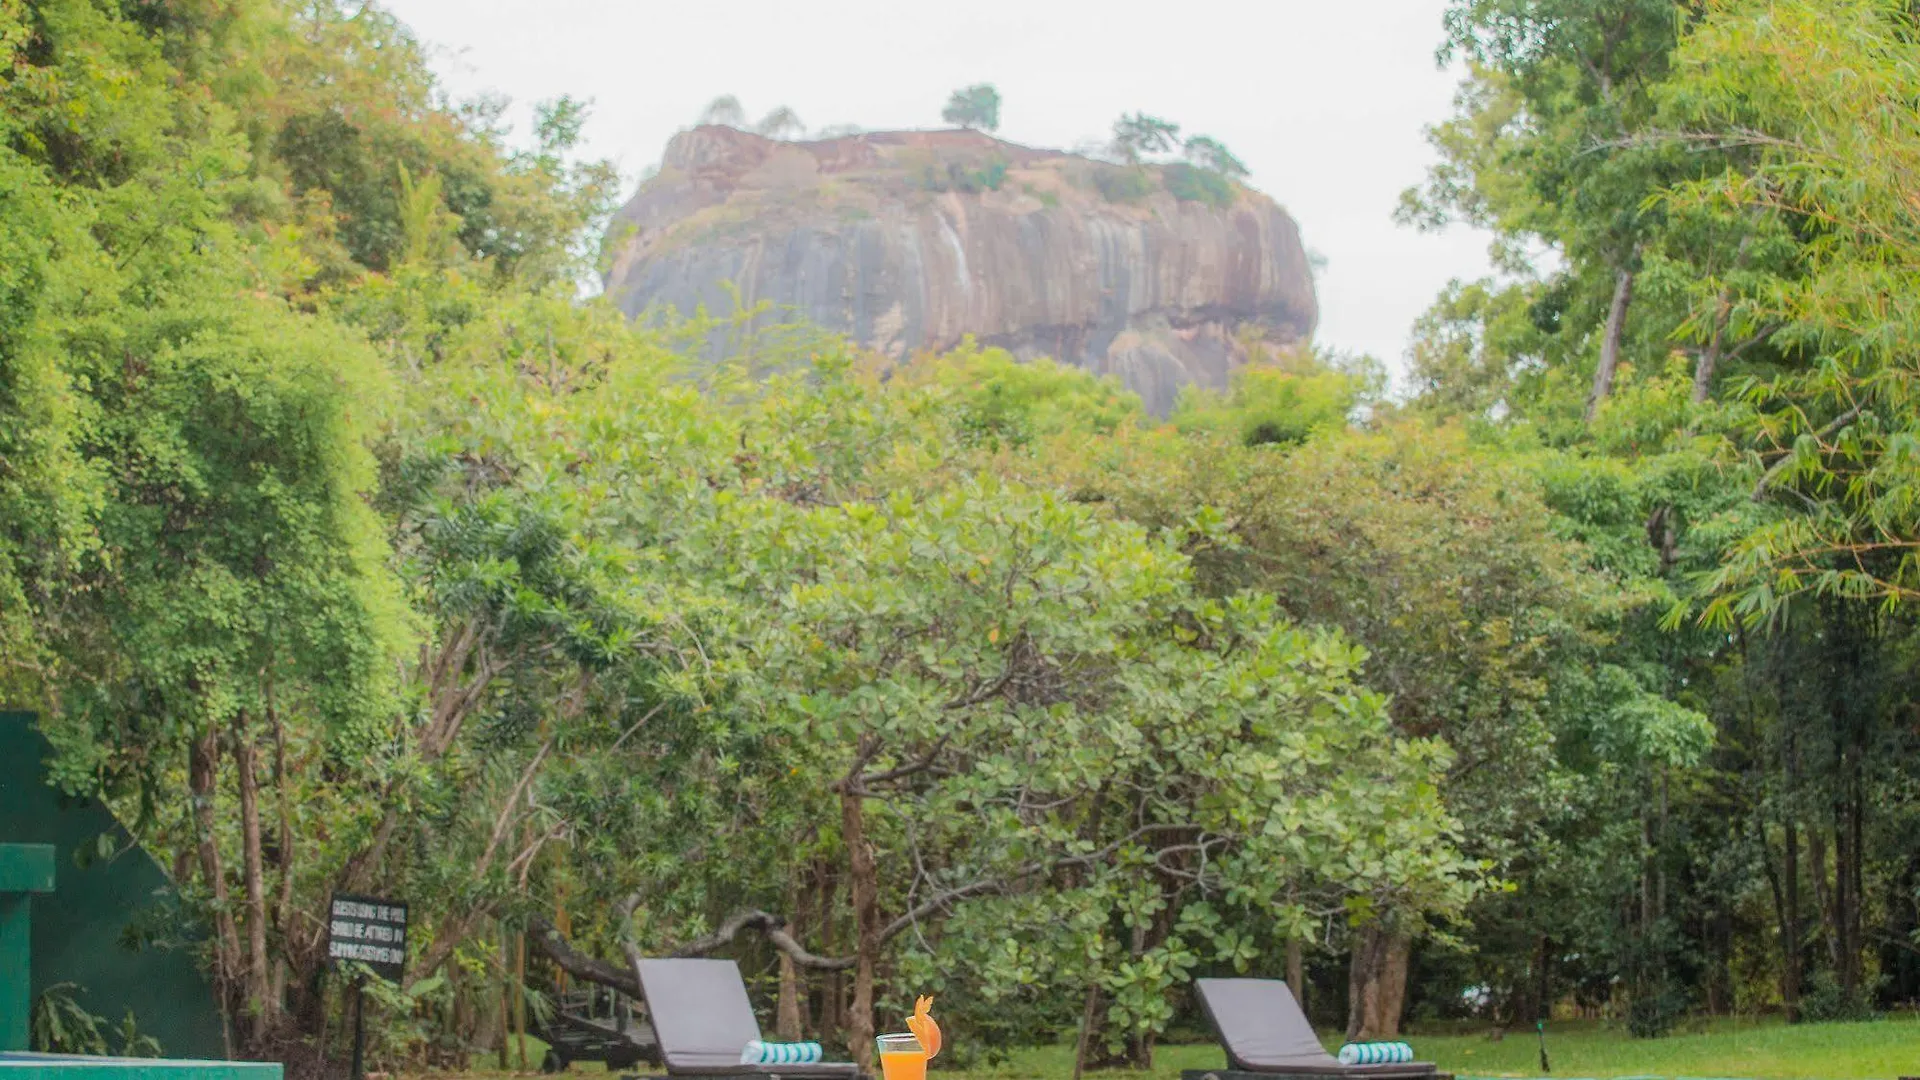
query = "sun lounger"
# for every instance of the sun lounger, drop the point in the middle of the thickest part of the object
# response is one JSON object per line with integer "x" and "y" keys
{"x": 703, "y": 1019}
{"x": 1264, "y": 1033}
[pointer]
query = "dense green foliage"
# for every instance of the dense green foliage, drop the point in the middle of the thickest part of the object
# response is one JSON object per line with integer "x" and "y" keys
{"x": 1209, "y": 173}
{"x": 976, "y": 106}
{"x": 1190, "y": 183}
{"x": 344, "y": 545}
{"x": 1711, "y": 371}
{"x": 348, "y": 549}
{"x": 1137, "y": 136}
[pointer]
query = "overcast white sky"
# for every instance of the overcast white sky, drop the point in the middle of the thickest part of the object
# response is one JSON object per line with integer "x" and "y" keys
{"x": 1323, "y": 99}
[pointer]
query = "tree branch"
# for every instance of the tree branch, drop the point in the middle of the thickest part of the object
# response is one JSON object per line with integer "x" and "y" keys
{"x": 505, "y": 819}
{"x": 551, "y": 942}
{"x": 937, "y": 902}
{"x": 1764, "y": 333}
{"x": 1774, "y": 470}
{"x": 921, "y": 765}
{"x": 1702, "y": 140}
{"x": 774, "y": 927}
{"x": 990, "y": 690}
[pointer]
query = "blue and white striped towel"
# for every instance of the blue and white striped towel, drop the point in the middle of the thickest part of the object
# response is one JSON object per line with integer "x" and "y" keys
{"x": 1377, "y": 1053}
{"x": 772, "y": 1053}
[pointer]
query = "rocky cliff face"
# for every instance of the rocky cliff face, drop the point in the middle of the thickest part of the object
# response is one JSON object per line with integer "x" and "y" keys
{"x": 908, "y": 240}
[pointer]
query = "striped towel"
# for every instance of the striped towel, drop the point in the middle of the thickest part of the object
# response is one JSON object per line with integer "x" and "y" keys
{"x": 1375, "y": 1053}
{"x": 772, "y": 1053}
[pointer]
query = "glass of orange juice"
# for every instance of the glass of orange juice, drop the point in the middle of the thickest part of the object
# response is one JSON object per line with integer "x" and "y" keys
{"x": 902, "y": 1057}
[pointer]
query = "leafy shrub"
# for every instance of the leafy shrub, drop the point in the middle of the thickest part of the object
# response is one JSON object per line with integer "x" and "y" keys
{"x": 1124, "y": 185}
{"x": 1189, "y": 183}
{"x": 59, "y": 1024}
{"x": 1654, "y": 1013}
{"x": 1268, "y": 406}
{"x": 1047, "y": 198}
{"x": 1000, "y": 402}
{"x": 949, "y": 175}
{"x": 1826, "y": 1001}
{"x": 989, "y": 178}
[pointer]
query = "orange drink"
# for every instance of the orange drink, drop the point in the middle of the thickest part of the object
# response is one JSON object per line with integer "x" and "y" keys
{"x": 902, "y": 1057}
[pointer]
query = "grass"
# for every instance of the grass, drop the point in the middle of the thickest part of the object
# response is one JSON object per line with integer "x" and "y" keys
{"x": 1755, "y": 1050}
{"x": 1746, "y": 1049}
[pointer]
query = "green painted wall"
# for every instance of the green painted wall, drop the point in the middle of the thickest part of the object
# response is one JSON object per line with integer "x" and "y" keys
{"x": 62, "y": 1067}
{"x": 111, "y": 925}
{"x": 25, "y": 869}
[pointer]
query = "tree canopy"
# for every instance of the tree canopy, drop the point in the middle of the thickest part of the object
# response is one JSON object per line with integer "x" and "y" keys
{"x": 1709, "y": 361}
{"x": 1137, "y": 136}
{"x": 346, "y": 543}
{"x": 976, "y": 106}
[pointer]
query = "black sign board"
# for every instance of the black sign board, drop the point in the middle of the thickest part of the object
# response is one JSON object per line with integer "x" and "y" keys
{"x": 370, "y": 930}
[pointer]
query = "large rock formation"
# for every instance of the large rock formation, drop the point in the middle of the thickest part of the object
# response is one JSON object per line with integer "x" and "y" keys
{"x": 909, "y": 240}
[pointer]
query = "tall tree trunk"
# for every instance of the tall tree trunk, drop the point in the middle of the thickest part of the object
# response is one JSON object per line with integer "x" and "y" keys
{"x": 1377, "y": 983}
{"x": 1296, "y": 971}
{"x": 787, "y": 1011}
{"x": 1542, "y": 980}
{"x": 1703, "y": 369}
{"x": 1089, "y": 1015}
{"x": 203, "y": 768}
{"x": 787, "y": 1014}
{"x": 1857, "y": 856}
{"x": 1846, "y": 896}
{"x": 1903, "y": 905}
{"x": 506, "y": 994}
{"x": 1796, "y": 960}
{"x": 483, "y": 1009}
{"x": 1390, "y": 1000}
{"x": 864, "y": 881}
{"x": 1610, "y": 344}
{"x": 283, "y": 865}
{"x": 1646, "y": 870}
{"x": 520, "y": 999}
{"x": 1359, "y": 968}
{"x": 833, "y": 1014}
{"x": 1790, "y": 930}
{"x": 1659, "y": 851}
{"x": 1719, "y": 931}
{"x": 1842, "y": 900}
{"x": 563, "y": 922}
{"x": 1823, "y": 893}
{"x": 246, "y": 768}
{"x": 805, "y": 925}
{"x": 1146, "y": 935}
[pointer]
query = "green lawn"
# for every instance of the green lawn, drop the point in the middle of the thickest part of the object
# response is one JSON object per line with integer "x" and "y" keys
{"x": 1759, "y": 1050}
{"x": 1749, "y": 1050}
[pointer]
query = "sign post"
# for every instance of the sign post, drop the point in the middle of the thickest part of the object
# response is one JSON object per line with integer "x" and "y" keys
{"x": 25, "y": 869}
{"x": 359, "y": 1071}
{"x": 370, "y": 931}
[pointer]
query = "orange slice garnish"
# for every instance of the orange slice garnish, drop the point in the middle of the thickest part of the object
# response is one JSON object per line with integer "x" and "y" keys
{"x": 922, "y": 1024}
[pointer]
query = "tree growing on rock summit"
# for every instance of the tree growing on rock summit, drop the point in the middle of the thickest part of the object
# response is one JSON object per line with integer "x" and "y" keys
{"x": 976, "y": 107}
{"x": 1209, "y": 153}
{"x": 1136, "y": 136}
